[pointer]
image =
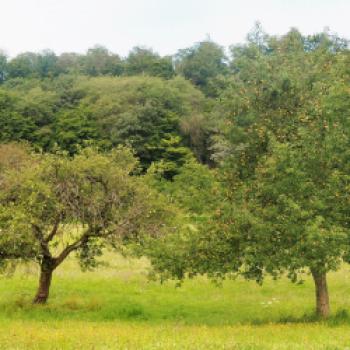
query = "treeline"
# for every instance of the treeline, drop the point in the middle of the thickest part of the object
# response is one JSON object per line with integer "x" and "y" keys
{"x": 199, "y": 63}
{"x": 249, "y": 152}
{"x": 142, "y": 100}
{"x": 152, "y": 115}
{"x": 202, "y": 63}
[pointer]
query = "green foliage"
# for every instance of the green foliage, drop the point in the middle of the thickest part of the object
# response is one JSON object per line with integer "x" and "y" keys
{"x": 196, "y": 188}
{"x": 3, "y": 66}
{"x": 143, "y": 112}
{"x": 173, "y": 156}
{"x": 288, "y": 141}
{"x": 13, "y": 125}
{"x": 99, "y": 61}
{"x": 59, "y": 205}
{"x": 22, "y": 65}
{"x": 284, "y": 113}
{"x": 74, "y": 128}
{"x": 142, "y": 61}
{"x": 202, "y": 64}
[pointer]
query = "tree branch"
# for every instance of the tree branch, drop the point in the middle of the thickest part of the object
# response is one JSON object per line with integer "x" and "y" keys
{"x": 74, "y": 246}
{"x": 54, "y": 231}
{"x": 40, "y": 237}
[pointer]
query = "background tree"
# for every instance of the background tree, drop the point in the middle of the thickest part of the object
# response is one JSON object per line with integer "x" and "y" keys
{"x": 13, "y": 125}
{"x": 23, "y": 65}
{"x": 143, "y": 61}
{"x": 144, "y": 112}
{"x": 47, "y": 64}
{"x": 196, "y": 188}
{"x": 70, "y": 63}
{"x": 201, "y": 64}
{"x": 3, "y": 67}
{"x": 99, "y": 61}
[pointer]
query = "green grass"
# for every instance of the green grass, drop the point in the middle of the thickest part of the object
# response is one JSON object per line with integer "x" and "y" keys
{"x": 118, "y": 308}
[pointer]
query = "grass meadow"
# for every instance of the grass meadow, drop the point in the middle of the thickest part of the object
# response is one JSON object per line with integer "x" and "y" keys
{"x": 117, "y": 307}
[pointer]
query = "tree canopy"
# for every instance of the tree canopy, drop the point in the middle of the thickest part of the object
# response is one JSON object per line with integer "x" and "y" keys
{"x": 284, "y": 113}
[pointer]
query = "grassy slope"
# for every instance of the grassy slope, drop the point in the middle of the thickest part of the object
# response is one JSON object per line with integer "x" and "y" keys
{"x": 116, "y": 307}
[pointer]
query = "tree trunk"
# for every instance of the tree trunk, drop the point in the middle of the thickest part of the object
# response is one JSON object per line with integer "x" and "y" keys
{"x": 46, "y": 270}
{"x": 322, "y": 298}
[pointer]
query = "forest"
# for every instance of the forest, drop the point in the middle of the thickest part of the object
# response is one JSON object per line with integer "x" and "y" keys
{"x": 226, "y": 165}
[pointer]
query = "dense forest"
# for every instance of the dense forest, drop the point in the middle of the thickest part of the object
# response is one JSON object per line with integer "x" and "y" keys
{"x": 212, "y": 161}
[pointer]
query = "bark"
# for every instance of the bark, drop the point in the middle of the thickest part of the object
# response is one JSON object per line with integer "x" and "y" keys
{"x": 46, "y": 270}
{"x": 321, "y": 292}
{"x": 50, "y": 263}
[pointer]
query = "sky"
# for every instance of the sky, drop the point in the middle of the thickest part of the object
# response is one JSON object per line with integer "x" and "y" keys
{"x": 164, "y": 25}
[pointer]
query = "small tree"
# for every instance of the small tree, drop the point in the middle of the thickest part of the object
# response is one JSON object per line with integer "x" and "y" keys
{"x": 203, "y": 244}
{"x": 59, "y": 205}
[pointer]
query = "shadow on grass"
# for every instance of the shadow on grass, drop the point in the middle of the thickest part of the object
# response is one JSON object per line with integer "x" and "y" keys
{"x": 72, "y": 308}
{"x": 76, "y": 308}
{"x": 341, "y": 317}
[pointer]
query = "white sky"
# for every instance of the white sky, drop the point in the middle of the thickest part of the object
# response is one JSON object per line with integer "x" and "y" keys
{"x": 164, "y": 25}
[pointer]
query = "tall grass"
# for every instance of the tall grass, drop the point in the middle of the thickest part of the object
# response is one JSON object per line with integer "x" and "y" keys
{"x": 117, "y": 307}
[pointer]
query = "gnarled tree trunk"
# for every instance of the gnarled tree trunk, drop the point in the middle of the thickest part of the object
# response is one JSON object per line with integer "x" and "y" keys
{"x": 46, "y": 269}
{"x": 50, "y": 263}
{"x": 321, "y": 291}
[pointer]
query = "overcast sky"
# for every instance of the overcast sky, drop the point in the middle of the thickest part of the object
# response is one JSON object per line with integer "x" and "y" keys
{"x": 164, "y": 25}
